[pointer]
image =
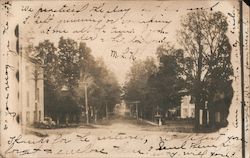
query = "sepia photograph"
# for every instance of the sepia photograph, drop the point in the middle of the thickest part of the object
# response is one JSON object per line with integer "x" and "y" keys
{"x": 124, "y": 79}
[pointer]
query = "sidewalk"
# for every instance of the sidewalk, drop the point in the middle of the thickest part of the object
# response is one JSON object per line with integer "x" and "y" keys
{"x": 172, "y": 126}
{"x": 148, "y": 122}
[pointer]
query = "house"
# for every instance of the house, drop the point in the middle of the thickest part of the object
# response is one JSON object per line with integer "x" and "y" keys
{"x": 187, "y": 107}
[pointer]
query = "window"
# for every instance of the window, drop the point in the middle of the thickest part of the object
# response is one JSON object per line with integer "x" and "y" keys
{"x": 40, "y": 115}
{"x": 185, "y": 112}
{"x": 38, "y": 94}
{"x": 192, "y": 112}
{"x": 28, "y": 98}
{"x": 206, "y": 104}
{"x": 217, "y": 117}
{"x": 34, "y": 116}
{"x": 26, "y": 71}
{"x": 27, "y": 117}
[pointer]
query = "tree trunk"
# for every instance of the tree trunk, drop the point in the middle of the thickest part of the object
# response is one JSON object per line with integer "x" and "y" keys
{"x": 197, "y": 116}
{"x": 95, "y": 115}
{"x": 197, "y": 84}
{"x": 212, "y": 118}
{"x": 204, "y": 117}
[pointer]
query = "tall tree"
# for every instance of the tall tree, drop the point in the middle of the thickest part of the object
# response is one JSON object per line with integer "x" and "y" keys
{"x": 203, "y": 37}
{"x": 104, "y": 91}
{"x": 168, "y": 80}
{"x": 46, "y": 55}
{"x": 60, "y": 71}
{"x": 64, "y": 68}
{"x": 68, "y": 62}
{"x": 137, "y": 88}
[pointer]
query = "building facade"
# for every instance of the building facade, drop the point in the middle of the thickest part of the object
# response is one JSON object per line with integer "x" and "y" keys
{"x": 31, "y": 93}
{"x": 187, "y": 108}
{"x": 32, "y": 102}
{"x": 24, "y": 88}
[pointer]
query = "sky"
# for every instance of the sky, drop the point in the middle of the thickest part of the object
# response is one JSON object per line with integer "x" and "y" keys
{"x": 131, "y": 29}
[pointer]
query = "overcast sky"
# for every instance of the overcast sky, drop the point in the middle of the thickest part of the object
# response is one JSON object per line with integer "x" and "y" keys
{"x": 130, "y": 31}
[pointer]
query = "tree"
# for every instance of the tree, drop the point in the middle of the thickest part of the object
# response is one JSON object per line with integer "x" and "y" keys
{"x": 168, "y": 81}
{"x": 60, "y": 69}
{"x": 69, "y": 63}
{"x": 108, "y": 92}
{"x": 46, "y": 56}
{"x": 104, "y": 90}
{"x": 203, "y": 37}
{"x": 137, "y": 88}
{"x": 64, "y": 69}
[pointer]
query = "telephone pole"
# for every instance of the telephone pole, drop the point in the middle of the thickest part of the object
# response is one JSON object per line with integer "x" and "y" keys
{"x": 86, "y": 101}
{"x": 86, "y": 81}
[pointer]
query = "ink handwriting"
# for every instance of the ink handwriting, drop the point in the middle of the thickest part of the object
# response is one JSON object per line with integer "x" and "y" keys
{"x": 193, "y": 145}
{"x": 101, "y": 22}
{"x": 7, "y": 87}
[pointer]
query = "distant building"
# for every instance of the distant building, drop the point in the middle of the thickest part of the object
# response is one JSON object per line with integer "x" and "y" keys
{"x": 187, "y": 108}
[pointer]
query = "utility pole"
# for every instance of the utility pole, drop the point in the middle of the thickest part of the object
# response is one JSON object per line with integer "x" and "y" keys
{"x": 86, "y": 101}
{"x": 86, "y": 81}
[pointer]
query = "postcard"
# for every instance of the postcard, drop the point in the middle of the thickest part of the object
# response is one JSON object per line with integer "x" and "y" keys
{"x": 124, "y": 78}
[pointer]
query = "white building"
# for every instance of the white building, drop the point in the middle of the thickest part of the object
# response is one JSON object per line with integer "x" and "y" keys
{"x": 187, "y": 108}
{"x": 30, "y": 91}
{"x": 24, "y": 94}
{"x": 31, "y": 96}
